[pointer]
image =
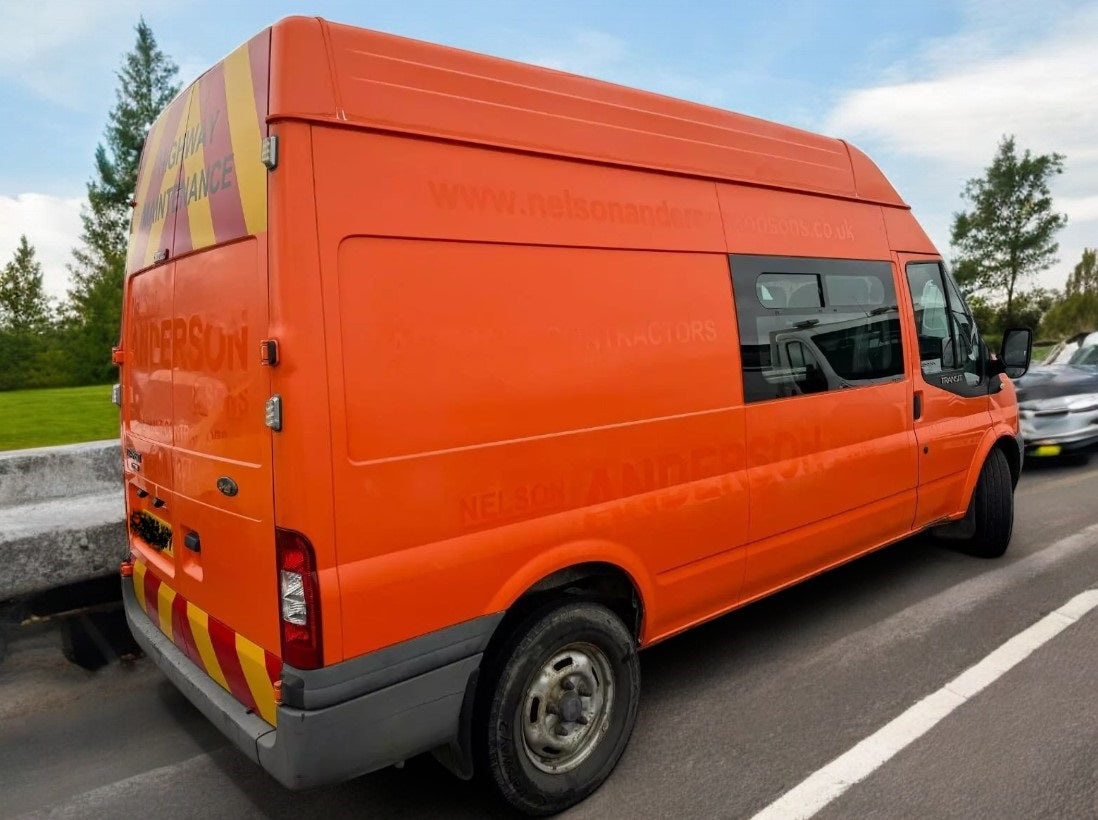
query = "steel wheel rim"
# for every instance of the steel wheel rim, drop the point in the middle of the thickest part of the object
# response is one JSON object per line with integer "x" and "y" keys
{"x": 566, "y": 708}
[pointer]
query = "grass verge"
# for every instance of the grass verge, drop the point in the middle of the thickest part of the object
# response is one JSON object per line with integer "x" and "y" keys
{"x": 63, "y": 415}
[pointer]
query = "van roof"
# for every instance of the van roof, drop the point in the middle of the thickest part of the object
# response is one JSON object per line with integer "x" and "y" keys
{"x": 324, "y": 71}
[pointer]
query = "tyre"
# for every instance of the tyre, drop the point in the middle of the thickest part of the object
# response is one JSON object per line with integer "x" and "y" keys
{"x": 556, "y": 707}
{"x": 991, "y": 509}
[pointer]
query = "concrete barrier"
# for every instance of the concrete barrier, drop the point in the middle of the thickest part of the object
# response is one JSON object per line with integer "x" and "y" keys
{"x": 61, "y": 516}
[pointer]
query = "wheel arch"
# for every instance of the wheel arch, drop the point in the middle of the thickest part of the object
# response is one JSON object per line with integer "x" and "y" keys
{"x": 604, "y": 571}
{"x": 598, "y": 571}
{"x": 1000, "y": 437}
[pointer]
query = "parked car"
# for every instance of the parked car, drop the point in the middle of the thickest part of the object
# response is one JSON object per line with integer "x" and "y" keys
{"x": 1062, "y": 352}
{"x": 1058, "y": 403}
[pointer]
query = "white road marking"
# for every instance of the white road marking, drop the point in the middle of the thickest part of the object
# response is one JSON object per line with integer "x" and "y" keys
{"x": 823, "y": 786}
{"x": 953, "y": 603}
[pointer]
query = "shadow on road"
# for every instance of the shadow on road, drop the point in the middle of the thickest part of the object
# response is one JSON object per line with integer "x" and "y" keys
{"x": 729, "y": 651}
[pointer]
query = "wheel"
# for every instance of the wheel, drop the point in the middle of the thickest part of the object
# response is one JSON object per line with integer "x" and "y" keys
{"x": 558, "y": 703}
{"x": 991, "y": 509}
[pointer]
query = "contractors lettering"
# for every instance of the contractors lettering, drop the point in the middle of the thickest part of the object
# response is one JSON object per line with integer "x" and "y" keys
{"x": 191, "y": 344}
{"x": 656, "y": 334}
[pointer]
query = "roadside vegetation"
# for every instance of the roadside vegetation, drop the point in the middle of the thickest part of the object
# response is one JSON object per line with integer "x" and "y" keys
{"x": 1006, "y": 237}
{"x": 39, "y": 418}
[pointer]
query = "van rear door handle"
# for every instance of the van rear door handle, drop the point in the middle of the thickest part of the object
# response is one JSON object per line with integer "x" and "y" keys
{"x": 917, "y": 409}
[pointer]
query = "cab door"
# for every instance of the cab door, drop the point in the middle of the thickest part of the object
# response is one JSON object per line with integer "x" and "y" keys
{"x": 950, "y": 407}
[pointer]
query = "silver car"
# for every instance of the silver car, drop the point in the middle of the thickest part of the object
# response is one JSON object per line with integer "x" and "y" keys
{"x": 1058, "y": 405}
{"x": 1063, "y": 351}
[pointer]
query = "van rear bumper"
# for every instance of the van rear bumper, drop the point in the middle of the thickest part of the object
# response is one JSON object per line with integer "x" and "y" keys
{"x": 415, "y": 707}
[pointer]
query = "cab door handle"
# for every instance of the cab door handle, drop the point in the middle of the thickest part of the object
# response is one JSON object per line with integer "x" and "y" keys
{"x": 917, "y": 407}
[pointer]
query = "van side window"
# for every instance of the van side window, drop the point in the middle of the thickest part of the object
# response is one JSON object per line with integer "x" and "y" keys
{"x": 813, "y": 325}
{"x": 949, "y": 342}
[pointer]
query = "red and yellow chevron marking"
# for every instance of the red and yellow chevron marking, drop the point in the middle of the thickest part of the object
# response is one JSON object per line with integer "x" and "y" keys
{"x": 242, "y": 668}
{"x": 201, "y": 181}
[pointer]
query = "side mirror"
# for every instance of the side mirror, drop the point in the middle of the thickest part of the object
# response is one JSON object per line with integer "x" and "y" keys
{"x": 1017, "y": 351}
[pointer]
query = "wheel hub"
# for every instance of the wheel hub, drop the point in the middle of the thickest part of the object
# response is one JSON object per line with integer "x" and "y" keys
{"x": 566, "y": 710}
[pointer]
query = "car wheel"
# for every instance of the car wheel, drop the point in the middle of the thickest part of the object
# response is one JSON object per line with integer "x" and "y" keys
{"x": 559, "y": 700}
{"x": 991, "y": 509}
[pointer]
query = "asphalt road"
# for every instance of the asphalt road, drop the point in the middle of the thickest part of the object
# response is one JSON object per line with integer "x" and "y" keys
{"x": 733, "y": 715}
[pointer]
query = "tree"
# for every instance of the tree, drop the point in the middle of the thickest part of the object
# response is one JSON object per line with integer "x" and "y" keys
{"x": 30, "y": 352}
{"x": 1084, "y": 279}
{"x": 24, "y": 306}
{"x": 1010, "y": 232}
{"x": 146, "y": 84}
{"x": 1078, "y": 310}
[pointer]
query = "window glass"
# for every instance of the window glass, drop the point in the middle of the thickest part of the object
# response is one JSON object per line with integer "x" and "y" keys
{"x": 931, "y": 316}
{"x": 969, "y": 353}
{"x": 947, "y": 334}
{"x": 781, "y": 290}
{"x": 813, "y": 325}
{"x": 1085, "y": 355}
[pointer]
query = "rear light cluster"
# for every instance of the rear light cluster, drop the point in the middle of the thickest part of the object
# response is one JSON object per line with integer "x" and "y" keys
{"x": 299, "y": 600}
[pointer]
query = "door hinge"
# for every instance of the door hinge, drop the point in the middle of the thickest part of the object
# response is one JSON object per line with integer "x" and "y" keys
{"x": 268, "y": 352}
{"x": 272, "y": 413}
{"x": 268, "y": 152}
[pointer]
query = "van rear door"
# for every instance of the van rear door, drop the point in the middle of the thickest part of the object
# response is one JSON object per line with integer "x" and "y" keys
{"x": 198, "y": 454}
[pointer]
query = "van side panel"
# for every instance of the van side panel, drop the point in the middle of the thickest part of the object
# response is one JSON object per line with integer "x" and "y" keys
{"x": 495, "y": 402}
{"x": 419, "y": 188}
{"x": 587, "y": 377}
{"x": 905, "y": 233}
{"x": 782, "y": 223}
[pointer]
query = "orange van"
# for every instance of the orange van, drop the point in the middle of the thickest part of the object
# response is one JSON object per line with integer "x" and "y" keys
{"x": 448, "y": 383}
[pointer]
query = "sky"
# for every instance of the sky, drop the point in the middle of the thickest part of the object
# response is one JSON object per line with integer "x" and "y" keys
{"x": 926, "y": 88}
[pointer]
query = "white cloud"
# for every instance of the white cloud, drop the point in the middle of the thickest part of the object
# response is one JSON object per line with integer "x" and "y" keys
{"x": 1046, "y": 99}
{"x": 52, "y": 226}
{"x": 1080, "y": 208}
{"x": 1030, "y": 70}
{"x": 587, "y": 52}
{"x": 46, "y": 43}
{"x": 593, "y": 53}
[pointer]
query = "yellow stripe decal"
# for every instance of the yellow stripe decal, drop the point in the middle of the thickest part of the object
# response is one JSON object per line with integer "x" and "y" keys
{"x": 139, "y": 585}
{"x": 253, "y": 662}
{"x": 199, "y": 215}
{"x": 200, "y": 630}
{"x": 164, "y": 597}
{"x": 150, "y": 155}
{"x": 168, "y": 181}
{"x": 244, "y": 132}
